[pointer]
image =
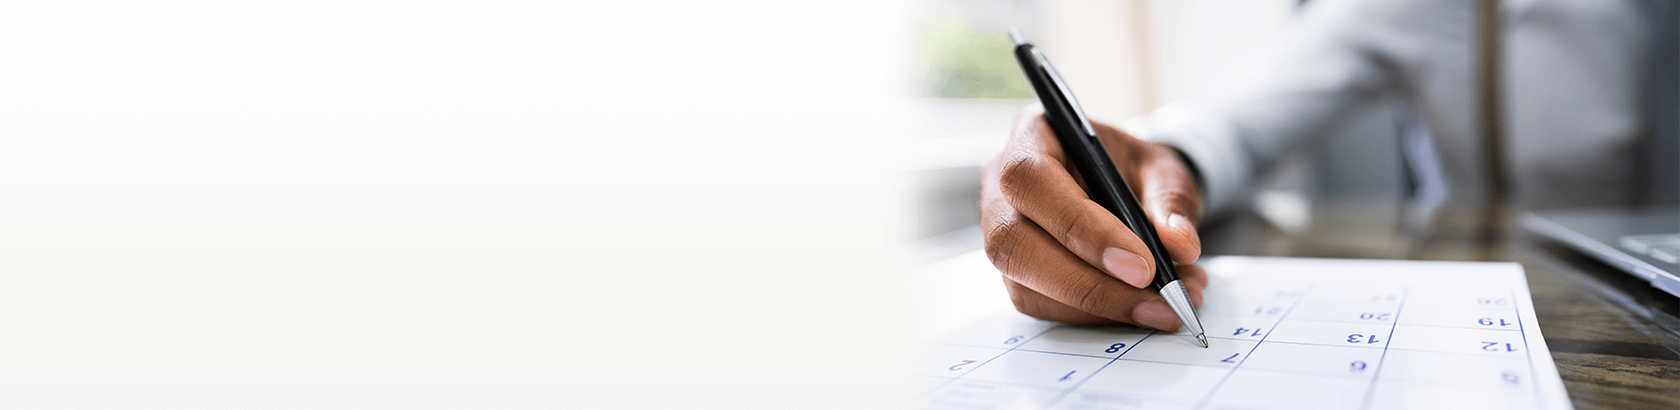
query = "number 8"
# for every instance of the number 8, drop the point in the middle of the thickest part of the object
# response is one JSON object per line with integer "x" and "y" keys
{"x": 1115, "y": 348}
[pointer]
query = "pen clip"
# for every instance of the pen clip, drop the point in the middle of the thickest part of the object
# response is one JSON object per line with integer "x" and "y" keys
{"x": 1062, "y": 88}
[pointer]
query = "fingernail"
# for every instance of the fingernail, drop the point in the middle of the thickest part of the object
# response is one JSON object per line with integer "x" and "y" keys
{"x": 1179, "y": 223}
{"x": 1156, "y": 314}
{"x": 1127, "y": 266}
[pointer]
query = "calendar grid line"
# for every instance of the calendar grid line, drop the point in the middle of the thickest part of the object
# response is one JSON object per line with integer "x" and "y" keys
{"x": 1397, "y": 322}
{"x": 1464, "y": 327}
{"x": 1215, "y": 390}
{"x": 1234, "y": 339}
{"x": 1064, "y": 354}
{"x": 1533, "y": 376}
{"x": 1402, "y": 349}
{"x": 1171, "y": 363}
{"x": 1376, "y": 374}
{"x": 1313, "y": 373}
{"x": 1081, "y": 382}
{"x": 1014, "y": 384}
{"x": 983, "y": 364}
{"x": 1323, "y": 344}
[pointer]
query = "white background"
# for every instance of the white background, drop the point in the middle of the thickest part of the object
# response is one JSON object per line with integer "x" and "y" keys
{"x": 362, "y": 204}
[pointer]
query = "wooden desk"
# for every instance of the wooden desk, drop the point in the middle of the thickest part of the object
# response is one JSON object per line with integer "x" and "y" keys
{"x": 1604, "y": 328}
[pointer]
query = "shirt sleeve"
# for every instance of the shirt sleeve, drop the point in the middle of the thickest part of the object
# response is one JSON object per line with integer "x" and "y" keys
{"x": 1335, "y": 58}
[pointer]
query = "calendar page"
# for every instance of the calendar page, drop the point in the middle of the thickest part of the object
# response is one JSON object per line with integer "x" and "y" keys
{"x": 1285, "y": 333}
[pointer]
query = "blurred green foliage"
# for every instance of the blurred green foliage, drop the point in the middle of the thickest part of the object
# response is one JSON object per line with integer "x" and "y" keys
{"x": 964, "y": 62}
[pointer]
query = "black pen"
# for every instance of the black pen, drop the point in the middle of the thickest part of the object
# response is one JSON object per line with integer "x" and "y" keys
{"x": 1102, "y": 180}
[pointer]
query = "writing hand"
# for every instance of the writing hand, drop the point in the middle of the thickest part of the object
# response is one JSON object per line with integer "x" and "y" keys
{"x": 1065, "y": 258}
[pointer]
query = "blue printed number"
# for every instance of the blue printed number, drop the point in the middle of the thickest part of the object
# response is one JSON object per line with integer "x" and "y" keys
{"x": 1494, "y": 347}
{"x": 959, "y": 366}
{"x": 1358, "y": 366}
{"x": 1490, "y": 322}
{"x": 1252, "y": 332}
{"x": 1510, "y": 377}
{"x": 1374, "y": 316}
{"x": 1012, "y": 340}
{"x": 1359, "y": 338}
{"x": 1115, "y": 348}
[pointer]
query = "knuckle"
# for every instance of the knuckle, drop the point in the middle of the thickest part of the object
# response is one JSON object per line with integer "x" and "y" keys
{"x": 1070, "y": 220}
{"x": 1016, "y": 174}
{"x": 1093, "y": 301}
{"x": 1035, "y": 306}
{"x": 1178, "y": 200}
{"x": 1001, "y": 240}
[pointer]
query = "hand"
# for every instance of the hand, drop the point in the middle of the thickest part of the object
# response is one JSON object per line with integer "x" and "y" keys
{"x": 1065, "y": 258}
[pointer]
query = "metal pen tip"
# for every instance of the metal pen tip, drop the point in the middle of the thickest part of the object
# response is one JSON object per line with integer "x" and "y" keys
{"x": 1178, "y": 298}
{"x": 1015, "y": 36}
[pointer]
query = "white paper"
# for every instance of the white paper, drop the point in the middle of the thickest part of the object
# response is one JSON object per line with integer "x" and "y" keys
{"x": 1284, "y": 333}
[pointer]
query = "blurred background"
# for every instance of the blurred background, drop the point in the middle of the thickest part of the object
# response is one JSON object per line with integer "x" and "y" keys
{"x": 490, "y": 204}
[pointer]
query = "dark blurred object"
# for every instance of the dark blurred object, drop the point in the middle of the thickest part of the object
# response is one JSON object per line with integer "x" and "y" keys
{"x": 1644, "y": 244}
{"x": 1659, "y": 147}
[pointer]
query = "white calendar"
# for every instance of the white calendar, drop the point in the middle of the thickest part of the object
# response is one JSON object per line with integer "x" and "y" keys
{"x": 1285, "y": 333}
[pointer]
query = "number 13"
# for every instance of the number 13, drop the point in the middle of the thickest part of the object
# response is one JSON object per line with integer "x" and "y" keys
{"x": 1354, "y": 338}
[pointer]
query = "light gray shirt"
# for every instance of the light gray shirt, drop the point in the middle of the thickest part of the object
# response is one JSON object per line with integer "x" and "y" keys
{"x": 1571, "y": 72}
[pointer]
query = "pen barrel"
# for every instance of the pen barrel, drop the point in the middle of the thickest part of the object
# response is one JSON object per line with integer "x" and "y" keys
{"x": 1103, "y": 182}
{"x": 1109, "y": 189}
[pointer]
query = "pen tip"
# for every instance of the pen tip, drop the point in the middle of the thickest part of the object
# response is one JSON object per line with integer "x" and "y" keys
{"x": 1202, "y": 338}
{"x": 1015, "y": 36}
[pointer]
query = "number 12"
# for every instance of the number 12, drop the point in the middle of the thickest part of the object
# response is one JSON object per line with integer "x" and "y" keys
{"x": 1494, "y": 347}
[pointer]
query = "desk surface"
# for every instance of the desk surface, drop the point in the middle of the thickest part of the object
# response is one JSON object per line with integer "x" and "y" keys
{"x": 1607, "y": 342}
